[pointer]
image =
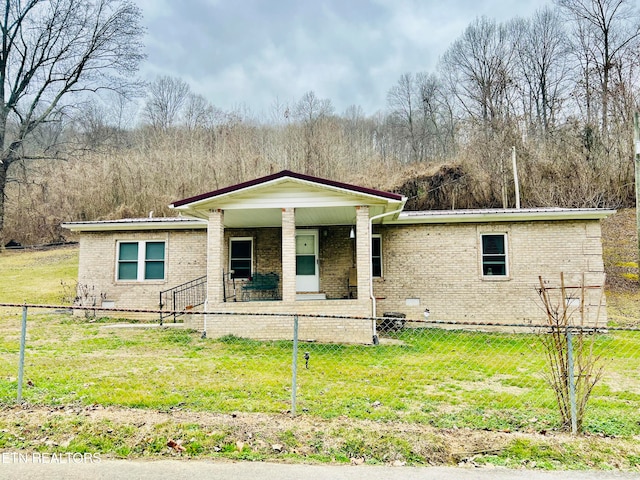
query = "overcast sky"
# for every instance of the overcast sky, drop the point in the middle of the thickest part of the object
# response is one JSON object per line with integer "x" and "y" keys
{"x": 254, "y": 53}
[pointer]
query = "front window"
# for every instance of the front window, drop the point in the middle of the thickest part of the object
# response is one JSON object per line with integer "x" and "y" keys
{"x": 241, "y": 257}
{"x": 154, "y": 261}
{"x": 138, "y": 261}
{"x": 376, "y": 255}
{"x": 494, "y": 255}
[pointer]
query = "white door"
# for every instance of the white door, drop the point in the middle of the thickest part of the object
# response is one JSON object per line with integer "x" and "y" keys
{"x": 307, "y": 272}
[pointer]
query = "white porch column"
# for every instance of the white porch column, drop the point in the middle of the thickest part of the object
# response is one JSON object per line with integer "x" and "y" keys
{"x": 363, "y": 252}
{"x": 215, "y": 257}
{"x": 288, "y": 255}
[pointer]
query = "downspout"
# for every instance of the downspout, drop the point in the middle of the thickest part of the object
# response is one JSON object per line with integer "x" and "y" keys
{"x": 371, "y": 295}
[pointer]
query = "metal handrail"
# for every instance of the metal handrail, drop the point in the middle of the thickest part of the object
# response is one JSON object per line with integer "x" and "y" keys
{"x": 183, "y": 297}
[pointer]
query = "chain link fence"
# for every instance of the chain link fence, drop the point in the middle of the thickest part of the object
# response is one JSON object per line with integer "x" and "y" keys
{"x": 452, "y": 375}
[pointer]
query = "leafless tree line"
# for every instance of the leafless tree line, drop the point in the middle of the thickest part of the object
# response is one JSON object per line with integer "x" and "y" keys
{"x": 561, "y": 87}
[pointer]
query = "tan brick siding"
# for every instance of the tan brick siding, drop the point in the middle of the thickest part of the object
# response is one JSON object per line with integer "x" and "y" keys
{"x": 214, "y": 253}
{"x": 440, "y": 266}
{"x": 274, "y": 327}
{"x": 185, "y": 260}
{"x": 288, "y": 279}
{"x": 436, "y": 266}
{"x": 336, "y": 258}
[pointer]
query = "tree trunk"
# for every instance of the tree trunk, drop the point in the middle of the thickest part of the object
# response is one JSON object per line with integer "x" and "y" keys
{"x": 3, "y": 184}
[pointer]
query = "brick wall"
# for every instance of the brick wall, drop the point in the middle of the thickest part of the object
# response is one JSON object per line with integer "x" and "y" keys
{"x": 336, "y": 258}
{"x": 277, "y": 327}
{"x": 424, "y": 266}
{"x": 185, "y": 261}
{"x": 439, "y": 267}
{"x": 267, "y": 248}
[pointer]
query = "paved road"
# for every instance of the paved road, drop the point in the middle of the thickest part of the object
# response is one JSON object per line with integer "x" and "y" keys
{"x": 200, "y": 469}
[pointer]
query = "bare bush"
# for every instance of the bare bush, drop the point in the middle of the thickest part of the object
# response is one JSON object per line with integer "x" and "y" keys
{"x": 573, "y": 367}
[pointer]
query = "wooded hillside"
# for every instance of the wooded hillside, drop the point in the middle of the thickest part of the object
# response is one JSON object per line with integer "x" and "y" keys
{"x": 560, "y": 87}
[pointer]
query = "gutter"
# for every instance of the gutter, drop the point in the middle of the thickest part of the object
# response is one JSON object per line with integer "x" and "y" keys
{"x": 500, "y": 215}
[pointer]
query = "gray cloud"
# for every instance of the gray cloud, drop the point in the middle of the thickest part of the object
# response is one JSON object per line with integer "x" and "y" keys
{"x": 254, "y": 52}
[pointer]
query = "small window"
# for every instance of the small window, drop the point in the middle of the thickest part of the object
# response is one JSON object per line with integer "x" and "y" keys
{"x": 139, "y": 261}
{"x": 494, "y": 255}
{"x": 376, "y": 255}
{"x": 241, "y": 257}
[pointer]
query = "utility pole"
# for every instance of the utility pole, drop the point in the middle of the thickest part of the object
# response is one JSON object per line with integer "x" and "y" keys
{"x": 636, "y": 141}
{"x": 516, "y": 181}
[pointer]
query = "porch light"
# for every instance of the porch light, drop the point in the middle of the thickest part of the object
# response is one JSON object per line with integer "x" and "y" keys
{"x": 352, "y": 233}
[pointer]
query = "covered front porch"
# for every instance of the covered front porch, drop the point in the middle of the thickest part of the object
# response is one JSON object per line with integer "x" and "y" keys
{"x": 324, "y": 261}
{"x": 291, "y": 244}
{"x": 304, "y": 266}
{"x": 294, "y": 262}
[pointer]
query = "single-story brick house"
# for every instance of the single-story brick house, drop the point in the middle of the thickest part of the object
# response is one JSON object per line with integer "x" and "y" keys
{"x": 293, "y": 243}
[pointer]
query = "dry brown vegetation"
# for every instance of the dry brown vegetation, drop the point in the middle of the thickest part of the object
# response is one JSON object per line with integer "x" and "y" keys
{"x": 558, "y": 87}
{"x": 145, "y": 170}
{"x": 620, "y": 252}
{"x": 131, "y": 433}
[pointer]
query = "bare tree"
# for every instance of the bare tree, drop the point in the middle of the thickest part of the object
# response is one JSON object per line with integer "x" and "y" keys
{"x": 165, "y": 100}
{"x": 478, "y": 70}
{"x": 605, "y": 31}
{"x": 104, "y": 121}
{"x": 404, "y": 114}
{"x": 543, "y": 66}
{"x": 312, "y": 111}
{"x": 53, "y": 50}
{"x": 198, "y": 112}
{"x": 418, "y": 116}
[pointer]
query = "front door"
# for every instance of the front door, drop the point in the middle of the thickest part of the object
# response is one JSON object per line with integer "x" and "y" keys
{"x": 307, "y": 272}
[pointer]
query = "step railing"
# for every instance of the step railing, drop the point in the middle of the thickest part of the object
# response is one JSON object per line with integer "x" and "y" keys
{"x": 182, "y": 298}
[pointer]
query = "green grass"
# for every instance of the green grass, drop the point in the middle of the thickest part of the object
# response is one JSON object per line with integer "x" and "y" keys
{"x": 447, "y": 379}
{"x": 450, "y": 381}
{"x": 38, "y": 277}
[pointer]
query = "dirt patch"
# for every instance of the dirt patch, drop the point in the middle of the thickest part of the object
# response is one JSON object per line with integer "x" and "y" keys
{"x": 131, "y": 432}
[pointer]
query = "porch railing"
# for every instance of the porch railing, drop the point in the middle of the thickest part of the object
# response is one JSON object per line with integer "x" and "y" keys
{"x": 183, "y": 297}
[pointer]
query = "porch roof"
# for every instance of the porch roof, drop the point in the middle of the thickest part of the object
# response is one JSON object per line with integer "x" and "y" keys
{"x": 317, "y": 201}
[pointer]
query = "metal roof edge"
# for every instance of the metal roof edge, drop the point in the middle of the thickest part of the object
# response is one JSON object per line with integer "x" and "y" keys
{"x": 136, "y": 224}
{"x": 500, "y": 215}
{"x": 283, "y": 176}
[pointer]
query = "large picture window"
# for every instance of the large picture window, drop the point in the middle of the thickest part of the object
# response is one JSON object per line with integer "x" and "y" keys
{"x": 494, "y": 254}
{"x": 241, "y": 257}
{"x": 138, "y": 261}
{"x": 376, "y": 255}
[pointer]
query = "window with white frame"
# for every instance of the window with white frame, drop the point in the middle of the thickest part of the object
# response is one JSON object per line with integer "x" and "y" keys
{"x": 494, "y": 254}
{"x": 241, "y": 257}
{"x": 376, "y": 255}
{"x": 142, "y": 260}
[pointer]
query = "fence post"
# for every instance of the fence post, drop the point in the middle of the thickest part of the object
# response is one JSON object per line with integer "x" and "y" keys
{"x": 572, "y": 383}
{"x": 294, "y": 367}
{"x": 23, "y": 341}
{"x": 174, "y": 306}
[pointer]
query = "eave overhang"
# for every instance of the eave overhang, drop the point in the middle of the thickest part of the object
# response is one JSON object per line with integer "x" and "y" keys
{"x": 137, "y": 224}
{"x": 500, "y": 215}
